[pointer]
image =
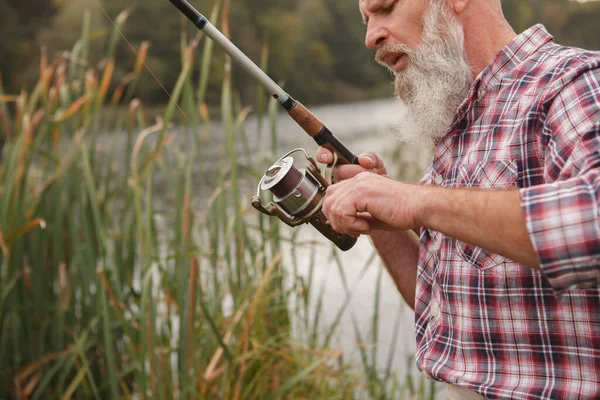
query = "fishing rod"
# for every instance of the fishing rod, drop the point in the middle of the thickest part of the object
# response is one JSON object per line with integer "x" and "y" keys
{"x": 297, "y": 192}
{"x": 307, "y": 121}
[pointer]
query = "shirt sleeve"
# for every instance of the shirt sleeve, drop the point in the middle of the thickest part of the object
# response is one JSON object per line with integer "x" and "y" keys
{"x": 562, "y": 215}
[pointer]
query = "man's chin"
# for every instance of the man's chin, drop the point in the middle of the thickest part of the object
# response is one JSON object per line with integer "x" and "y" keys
{"x": 418, "y": 128}
{"x": 402, "y": 86}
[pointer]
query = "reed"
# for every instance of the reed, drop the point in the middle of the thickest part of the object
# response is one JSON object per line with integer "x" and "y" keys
{"x": 122, "y": 276}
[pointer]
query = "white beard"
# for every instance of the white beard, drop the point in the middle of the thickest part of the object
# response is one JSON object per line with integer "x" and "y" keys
{"x": 437, "y": 78}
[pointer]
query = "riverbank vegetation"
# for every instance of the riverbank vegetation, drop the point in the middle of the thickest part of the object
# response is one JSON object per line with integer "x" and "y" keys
{"x": 117, "y": 281}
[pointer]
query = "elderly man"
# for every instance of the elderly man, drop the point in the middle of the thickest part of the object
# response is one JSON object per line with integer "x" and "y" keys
{"x": 504, "y": 278}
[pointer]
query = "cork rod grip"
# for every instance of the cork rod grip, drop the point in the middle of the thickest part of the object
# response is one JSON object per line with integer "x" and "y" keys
{"x": 306, "y": 119}
{"x": 321, "y": 134}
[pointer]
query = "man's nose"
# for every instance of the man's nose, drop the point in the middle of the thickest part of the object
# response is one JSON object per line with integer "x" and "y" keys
{"x": 376, "y": 36}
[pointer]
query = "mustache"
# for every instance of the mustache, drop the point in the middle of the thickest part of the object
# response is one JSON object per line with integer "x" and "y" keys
{"x": 389, "y": 48}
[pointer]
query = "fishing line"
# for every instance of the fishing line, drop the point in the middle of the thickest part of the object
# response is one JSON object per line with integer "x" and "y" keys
{"x": 143, "y": 61}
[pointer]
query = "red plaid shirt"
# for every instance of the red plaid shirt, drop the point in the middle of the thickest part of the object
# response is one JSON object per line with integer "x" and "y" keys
{"x": 531, "y": 121}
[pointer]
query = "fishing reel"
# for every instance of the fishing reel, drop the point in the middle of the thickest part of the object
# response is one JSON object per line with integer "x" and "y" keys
{"x": 298, "y": 194}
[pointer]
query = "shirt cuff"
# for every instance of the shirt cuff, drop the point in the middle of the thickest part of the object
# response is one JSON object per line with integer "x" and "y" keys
{"x": 562, "y": 220}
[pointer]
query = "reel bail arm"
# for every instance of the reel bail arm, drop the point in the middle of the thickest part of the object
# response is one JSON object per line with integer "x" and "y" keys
{"x": 298, "y": 195}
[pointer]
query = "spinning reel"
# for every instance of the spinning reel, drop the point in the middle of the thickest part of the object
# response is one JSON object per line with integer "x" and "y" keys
{"x": 298, "y": 194}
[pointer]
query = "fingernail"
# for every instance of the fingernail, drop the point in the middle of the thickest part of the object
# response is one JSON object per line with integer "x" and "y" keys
{"x": 323, "y": 158}
{"x": 368, "y": 157}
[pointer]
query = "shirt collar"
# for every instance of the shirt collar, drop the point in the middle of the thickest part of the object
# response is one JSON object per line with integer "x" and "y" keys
{"x": 512, "y": 55}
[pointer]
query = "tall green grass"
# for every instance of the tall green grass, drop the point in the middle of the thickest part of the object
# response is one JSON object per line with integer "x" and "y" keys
{"x": 117, "y": 280}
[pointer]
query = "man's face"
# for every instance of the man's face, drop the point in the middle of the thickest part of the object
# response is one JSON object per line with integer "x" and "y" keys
{"x": 422, "y": 43}
{"x": 398, "y": 22}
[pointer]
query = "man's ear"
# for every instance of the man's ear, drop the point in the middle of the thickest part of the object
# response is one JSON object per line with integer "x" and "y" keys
{"x": 459, "y": 6}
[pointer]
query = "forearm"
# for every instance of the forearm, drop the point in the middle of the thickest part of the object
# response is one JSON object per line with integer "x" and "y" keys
{"x": 399, "y": 251}
{"x": 490, "y": 219}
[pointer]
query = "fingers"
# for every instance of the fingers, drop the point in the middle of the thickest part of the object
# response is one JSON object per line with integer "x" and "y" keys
{"x": 353, "y": 224}
{"x": 346, "y": 171}
{"x": 342, "y": 211}
{"x": 368, "y": 161}
{"x": 359, "y": 206}
{"x": 324, "y": 155}
{"x": 372, "y": 162}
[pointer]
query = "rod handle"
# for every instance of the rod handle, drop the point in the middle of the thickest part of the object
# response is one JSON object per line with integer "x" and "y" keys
{"x": 319, "y": 132}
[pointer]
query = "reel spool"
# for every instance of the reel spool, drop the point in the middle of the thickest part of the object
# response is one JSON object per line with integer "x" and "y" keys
{"x": 298, "y": 195}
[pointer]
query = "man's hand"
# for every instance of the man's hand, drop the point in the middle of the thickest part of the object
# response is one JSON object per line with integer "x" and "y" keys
{"x": 366, "y": 162}
{"x": 364, "y": 199}
{"x": 370, "y": 202}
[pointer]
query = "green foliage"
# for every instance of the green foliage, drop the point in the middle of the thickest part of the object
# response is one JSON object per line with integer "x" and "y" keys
{"x": 21, "y": 22}
{"x": 314, "y": 41}
{"x": 571, "y": 23}
{"x": 64, "y": 29}
{"x": 153, "y": 21}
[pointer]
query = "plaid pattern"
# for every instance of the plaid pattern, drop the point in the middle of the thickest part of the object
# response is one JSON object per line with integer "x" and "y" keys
{"x": 532, "y": 121}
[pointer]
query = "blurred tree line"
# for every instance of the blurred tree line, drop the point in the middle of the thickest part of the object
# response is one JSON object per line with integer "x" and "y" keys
{"x": 315, "y": 47}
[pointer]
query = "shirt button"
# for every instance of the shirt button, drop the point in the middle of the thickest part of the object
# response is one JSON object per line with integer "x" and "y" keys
{"x": 435, "y": 311}
{"x": 438, "y": 180}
